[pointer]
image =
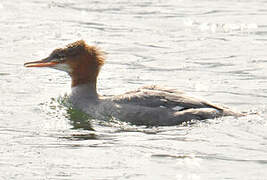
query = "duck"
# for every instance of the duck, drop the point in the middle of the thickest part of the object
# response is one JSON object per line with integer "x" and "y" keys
{"x": 150, "y": 105}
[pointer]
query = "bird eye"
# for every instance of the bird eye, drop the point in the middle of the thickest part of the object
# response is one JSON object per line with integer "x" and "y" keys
{"x": 58, "y": 56}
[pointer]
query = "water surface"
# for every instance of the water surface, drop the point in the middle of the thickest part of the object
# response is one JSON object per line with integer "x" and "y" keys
{"x": 212, "y": 49}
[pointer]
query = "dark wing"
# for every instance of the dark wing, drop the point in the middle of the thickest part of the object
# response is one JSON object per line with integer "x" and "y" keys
{"x": 154, "y": 96}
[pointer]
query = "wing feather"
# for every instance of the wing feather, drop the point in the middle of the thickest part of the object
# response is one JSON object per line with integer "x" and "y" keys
{"x": 155, "y": 96}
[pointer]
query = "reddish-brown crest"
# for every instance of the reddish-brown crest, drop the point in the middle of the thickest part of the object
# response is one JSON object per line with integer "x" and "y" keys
{"x": 85, "y": 62}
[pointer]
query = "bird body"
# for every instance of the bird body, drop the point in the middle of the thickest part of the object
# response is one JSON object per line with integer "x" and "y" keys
{"x": 149, "y": 105}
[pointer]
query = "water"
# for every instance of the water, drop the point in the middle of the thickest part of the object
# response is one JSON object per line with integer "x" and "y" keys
{"x": 213, "y": 49}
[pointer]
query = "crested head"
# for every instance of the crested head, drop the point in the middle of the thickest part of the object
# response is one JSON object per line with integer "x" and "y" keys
{"x": 79, "y": 54}
{"x": 81, "y": 61}
{"x": 94, "y": 54}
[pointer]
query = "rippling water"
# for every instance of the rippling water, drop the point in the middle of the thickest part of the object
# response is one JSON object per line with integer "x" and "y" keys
{"x": 213, "y": 49}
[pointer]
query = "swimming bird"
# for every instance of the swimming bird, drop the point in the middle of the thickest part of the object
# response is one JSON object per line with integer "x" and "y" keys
{"x": 149, "y": 105}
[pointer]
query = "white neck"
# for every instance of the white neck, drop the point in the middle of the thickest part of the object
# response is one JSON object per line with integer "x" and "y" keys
{"x": 83, "y": 94}
{"x": 85, "y": 90}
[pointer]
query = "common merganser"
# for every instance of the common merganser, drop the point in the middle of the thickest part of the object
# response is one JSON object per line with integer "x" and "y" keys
{"x": 149, "y": 105}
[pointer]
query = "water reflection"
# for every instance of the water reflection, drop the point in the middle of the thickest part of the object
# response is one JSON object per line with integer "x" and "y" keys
{"x": 60, "y": 109}
{"x": 79, "y": 120}
{"x": 81, "y": 137}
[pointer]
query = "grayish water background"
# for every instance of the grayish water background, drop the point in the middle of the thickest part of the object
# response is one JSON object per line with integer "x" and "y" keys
{"x": 213, "y": 49}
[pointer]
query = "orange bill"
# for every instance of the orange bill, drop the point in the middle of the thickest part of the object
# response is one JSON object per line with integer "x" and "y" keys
{"x": 40, "y": 64}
